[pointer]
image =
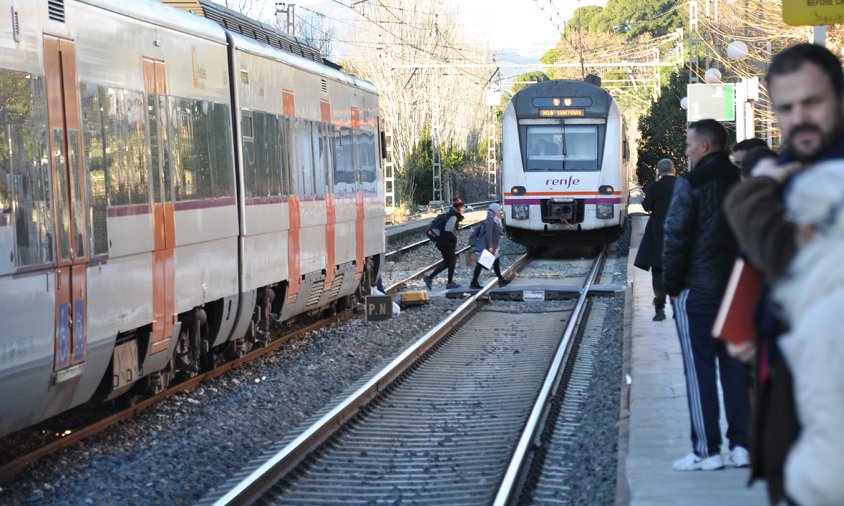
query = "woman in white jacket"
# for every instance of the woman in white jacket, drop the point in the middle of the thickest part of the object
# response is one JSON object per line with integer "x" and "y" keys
{"x": 812, "y": 299}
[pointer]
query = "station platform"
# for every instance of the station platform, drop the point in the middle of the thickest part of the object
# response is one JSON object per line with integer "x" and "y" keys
{"x": 658, "y": 419}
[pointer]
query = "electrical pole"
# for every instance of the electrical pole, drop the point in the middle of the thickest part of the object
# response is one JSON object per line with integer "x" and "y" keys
{"x": 492, "y": 155}
{"x": 389, "y": 171}
{"x": 436, "y": 161}
{"x": 288, "y": 9}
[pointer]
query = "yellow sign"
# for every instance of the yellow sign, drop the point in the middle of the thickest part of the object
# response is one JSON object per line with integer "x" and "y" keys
{"x": 813, "y": 12}
{"x": 550, "y": 113}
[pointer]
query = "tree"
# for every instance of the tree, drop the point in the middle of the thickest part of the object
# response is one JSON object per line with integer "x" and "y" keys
{"x": 663, "y": 130}
{"x": 633, "y": 18}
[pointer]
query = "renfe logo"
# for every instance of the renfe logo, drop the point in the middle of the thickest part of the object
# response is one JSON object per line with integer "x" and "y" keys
{"x": 566, "y": 183}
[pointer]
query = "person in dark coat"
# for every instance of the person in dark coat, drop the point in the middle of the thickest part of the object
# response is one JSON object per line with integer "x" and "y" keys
{"x": 491, "y": 230}
{"x": 699, "y": 251}
{"x": 649, "y": 257}
{"x": 740, "y": 151}
{"x": 447, "y": 244}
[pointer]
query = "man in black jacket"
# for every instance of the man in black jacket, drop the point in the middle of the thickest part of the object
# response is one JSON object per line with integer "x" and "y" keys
{"x": 698, "y": 255}
{"x": 657, "y": 199}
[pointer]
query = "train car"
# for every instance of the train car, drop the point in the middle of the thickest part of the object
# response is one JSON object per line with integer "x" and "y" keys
{"x": 166, "y": 188}
{"x": 564, "y": 167}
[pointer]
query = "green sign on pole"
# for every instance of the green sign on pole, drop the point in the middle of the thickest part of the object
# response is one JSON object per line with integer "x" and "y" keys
{"x": 715, "y": 101}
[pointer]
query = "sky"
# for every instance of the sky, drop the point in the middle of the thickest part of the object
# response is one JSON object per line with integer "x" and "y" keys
{"x": 518, "y": 31}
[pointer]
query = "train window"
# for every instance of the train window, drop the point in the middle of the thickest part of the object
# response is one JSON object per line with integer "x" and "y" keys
{"x": 222, "y": 158}
{"x": 366, "y": 157}
{"x": 562, "y": 147}
{"x": 114, "y": 153}
{"x": 249, "y": 154}
{"x": 25, "y": 195}
{"x": 322, "y": 147}
{"x": 304, "y": 156}
{"x": 344, "y": 169}
{"x": 269, "y": 154}
{"x": 191, "y": 149}
{"x": 327, "y": 150}
{"x": 261, "y": 151}
{"x": 285, "y": 144}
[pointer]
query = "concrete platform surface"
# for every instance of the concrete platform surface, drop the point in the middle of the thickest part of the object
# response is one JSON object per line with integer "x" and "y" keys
{"x": 659, "y": 429}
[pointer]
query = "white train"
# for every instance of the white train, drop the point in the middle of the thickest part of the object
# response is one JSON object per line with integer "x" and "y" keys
{"x": 564, "y": 167}
{"x": 166, "y": 187}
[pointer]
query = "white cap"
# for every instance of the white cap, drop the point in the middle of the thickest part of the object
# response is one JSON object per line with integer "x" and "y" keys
{"x": 495, "y": 207}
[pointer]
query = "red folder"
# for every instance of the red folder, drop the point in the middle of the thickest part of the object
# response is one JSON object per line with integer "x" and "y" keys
{"x": 734, "y": 322}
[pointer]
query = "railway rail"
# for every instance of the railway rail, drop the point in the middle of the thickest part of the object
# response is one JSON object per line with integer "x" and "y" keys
{"x": 452, "y": 419}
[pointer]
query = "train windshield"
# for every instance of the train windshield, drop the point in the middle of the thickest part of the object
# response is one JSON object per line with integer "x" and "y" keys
{"x": 562, "y": 147}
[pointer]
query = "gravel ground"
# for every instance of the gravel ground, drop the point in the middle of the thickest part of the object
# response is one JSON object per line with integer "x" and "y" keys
{"x": 595, "y": 446}
{"x": 178, "y": 450}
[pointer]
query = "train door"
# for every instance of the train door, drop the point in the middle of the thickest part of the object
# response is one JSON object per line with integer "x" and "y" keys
{"x": 163, "y": 210}
{"x": 71, "y": 237}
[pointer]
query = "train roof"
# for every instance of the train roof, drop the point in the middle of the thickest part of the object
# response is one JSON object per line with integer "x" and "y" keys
{"x": 593, "y": 100}
{"x": 239, "y": 42}
{"x": 157, "y": 13}
{"x": 248, "y": 27}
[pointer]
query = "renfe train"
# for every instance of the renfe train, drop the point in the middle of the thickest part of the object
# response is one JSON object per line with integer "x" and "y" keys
{"x": 564, "y": 163}
{"x": 167, "y": 187}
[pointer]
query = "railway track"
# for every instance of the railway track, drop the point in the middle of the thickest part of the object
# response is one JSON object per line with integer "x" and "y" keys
{"x": 453, "y": 419}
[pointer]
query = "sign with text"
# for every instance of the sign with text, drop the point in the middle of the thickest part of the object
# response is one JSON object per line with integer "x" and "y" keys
{"x": 711, "y": 101}
{"x": 812, "y": 12}
{"x": 378, "y": 307}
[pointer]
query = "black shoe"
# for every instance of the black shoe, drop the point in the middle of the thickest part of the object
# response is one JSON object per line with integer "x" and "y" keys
{"x": 503, "y": 282}
{"x": 475, "y": 286}
{"x": 659, "y": 316}
{"x": 452, "y": 284}
{"x": 427, "y": 281}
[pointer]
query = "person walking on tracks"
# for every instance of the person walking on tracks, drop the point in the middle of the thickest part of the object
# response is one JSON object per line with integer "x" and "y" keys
{"x": 489, "y": 232}
{"x": 698, "y": 256}
{"x": 657, "y": 199}
{"x": 444, "y": 229}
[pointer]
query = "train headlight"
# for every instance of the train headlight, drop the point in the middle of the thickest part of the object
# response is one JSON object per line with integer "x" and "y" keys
{"x": 521, "y": 211}
{"x": 605, "y": 211}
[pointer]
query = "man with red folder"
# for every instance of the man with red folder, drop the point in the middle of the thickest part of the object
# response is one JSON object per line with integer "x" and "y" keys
{"x": 698, "y": 255}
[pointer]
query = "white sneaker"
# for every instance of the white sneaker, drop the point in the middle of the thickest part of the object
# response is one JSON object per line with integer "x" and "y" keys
{"x": 692, "y": 462}
{"x": 739, "y": 457}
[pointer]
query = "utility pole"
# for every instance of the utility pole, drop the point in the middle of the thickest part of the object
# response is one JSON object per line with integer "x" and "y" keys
{"x": 436, "y": 161}
{"x": 389, "y": 171}
{"x": 288, "y": 9}
{"x": 493, "y": 99}
{"x": 492, "y": 155}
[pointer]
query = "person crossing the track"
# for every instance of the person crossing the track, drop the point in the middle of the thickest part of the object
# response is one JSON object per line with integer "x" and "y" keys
{"x": 447, "y": 244}
{"x": 490, "y": 233}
